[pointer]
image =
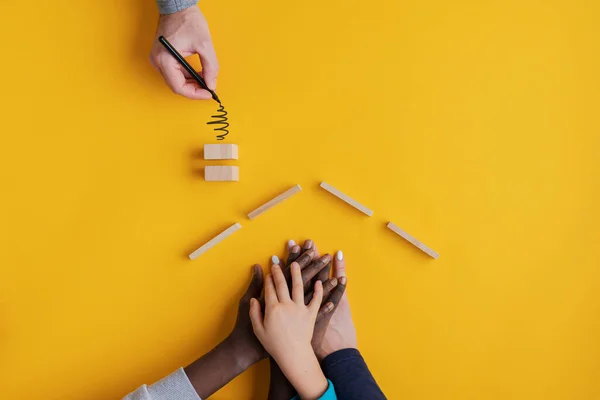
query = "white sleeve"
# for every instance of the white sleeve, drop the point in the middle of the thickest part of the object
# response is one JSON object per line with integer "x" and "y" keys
{"x": 176, "y": 386}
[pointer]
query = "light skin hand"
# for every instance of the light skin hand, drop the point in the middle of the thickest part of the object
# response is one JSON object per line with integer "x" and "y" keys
{"x": 279, "y": 387}
{"x": 287, "y": 328}
{"x": 334, "y": 290}
{"x": 187, "y": 30}
{"x": 340, "y": 333}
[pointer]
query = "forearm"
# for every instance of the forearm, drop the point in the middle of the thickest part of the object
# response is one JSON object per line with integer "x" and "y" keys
{"x": 172, "y": 6}
{"x": 304, "y": 373}
{"x": 219, "y": 366}
{"x": 350, "y": 375}
{"x": 279, "y": 387}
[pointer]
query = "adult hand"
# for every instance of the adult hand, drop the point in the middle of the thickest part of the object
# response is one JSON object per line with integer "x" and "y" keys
{"x": 340, "y": 333}
{"x": 242, "y": 336}
{"x": 187, "y": 30}
{"x": 233, "y": 355}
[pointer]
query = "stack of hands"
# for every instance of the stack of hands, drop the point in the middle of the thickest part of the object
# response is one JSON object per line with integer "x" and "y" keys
{"x": 299, "y": 302}
{"x": 300, "y": 318}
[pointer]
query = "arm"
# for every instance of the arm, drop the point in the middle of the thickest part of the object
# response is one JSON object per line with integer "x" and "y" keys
{"x": 286, "y": 330}
{"x": 233, "y": 355}
{"x": 280, "y": 388}
{"x": 342, "y": 362}
{"x": 212, "y": 371}
{"x": 349, "y": 373}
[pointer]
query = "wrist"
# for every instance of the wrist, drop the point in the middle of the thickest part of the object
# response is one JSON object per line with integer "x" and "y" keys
{"x": 303, "y": 370}
{"x": 244, "y": 353}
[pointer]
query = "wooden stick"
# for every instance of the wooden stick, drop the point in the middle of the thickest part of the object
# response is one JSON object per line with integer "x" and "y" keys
{"x": 272, "y": 203}
{"x": 391, "y": 226}
{"x": 347, "y": 199}
{"x": 214, "y": 241}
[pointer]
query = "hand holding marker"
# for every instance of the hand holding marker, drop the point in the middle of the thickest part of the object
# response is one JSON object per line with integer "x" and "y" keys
{"x": 221, "y": 119}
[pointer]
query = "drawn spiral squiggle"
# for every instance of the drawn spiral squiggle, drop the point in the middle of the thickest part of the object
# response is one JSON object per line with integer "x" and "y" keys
{"x": 221, "y": 122}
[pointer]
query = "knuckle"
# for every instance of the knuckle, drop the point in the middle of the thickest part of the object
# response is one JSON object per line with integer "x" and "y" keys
{"x": 204, "y": 45}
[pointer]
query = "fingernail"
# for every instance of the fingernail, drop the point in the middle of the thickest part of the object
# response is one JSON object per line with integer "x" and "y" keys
{"x": 326, "y": 258}
{"x": 339, "y": 255}
{"x": 329, "y": 307}
{"x": 333, "y": 282}
{"x": 212, "y": 84}
{"x": 343, "y": 280}
{"x": 308, "y": 244}
{"x": 275, "y": 260}
{"x": 295, "y": 249}
{"x": 291, "y": 243}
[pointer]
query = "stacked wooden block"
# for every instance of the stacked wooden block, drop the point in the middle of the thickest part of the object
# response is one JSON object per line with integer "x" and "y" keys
{"x": 221, "y": 173}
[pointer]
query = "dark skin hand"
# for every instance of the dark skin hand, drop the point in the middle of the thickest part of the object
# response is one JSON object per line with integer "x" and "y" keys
{"x": 333, "y": 290}
{"x": 233, "y": 355}
{"x": 241, "y": 348}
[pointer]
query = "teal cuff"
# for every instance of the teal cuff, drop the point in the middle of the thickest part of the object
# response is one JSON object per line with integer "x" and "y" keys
{"x": 328, "y": 395}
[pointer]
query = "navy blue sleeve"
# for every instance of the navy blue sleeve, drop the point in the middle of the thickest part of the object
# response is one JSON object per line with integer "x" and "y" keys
{"x": 350, "y": 376}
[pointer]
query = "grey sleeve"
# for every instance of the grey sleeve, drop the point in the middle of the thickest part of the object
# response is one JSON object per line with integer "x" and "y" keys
{"x": 176, "y": 386}
{"x": 171, "y": 6}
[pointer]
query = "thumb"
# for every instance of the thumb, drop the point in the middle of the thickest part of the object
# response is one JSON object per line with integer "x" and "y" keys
{"x": 256, "y": 284}
{"x": 210, "y": 64}
{"x": 315, "y": 303}
{"x": 256, "y": 316}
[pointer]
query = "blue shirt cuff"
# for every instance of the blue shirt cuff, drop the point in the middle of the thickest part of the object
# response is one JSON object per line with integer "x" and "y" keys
{"x": 328, "y": 395}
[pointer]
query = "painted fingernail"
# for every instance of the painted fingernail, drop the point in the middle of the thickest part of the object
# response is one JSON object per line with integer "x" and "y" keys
{"x": 275, "y": 260}
{"x": 339, "y": 255}
{"x": 343, "y": 280}
{"x": 308, "y": 244}
{"x": 291, "y": 243}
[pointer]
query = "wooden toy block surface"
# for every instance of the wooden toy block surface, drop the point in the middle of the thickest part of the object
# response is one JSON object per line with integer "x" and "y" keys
{"x": 218, "y": 173}
{"x": 220, "y": 151}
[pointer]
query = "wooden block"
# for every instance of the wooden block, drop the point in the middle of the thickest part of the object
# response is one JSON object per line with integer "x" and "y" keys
{"x": 220, "y": 151}
{"x": 272, "y": 203}
{"x": 219, "y": 173}
{"x": 391, "y": 226}
{"x": 347, "y": 199}
{"x": 214, "y": 241}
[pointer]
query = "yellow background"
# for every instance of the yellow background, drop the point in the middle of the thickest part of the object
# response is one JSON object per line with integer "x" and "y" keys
{"x": 472, "y": 124}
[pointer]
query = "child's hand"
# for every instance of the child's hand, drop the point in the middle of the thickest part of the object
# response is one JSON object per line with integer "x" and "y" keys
{"x": 287, "y": 328}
